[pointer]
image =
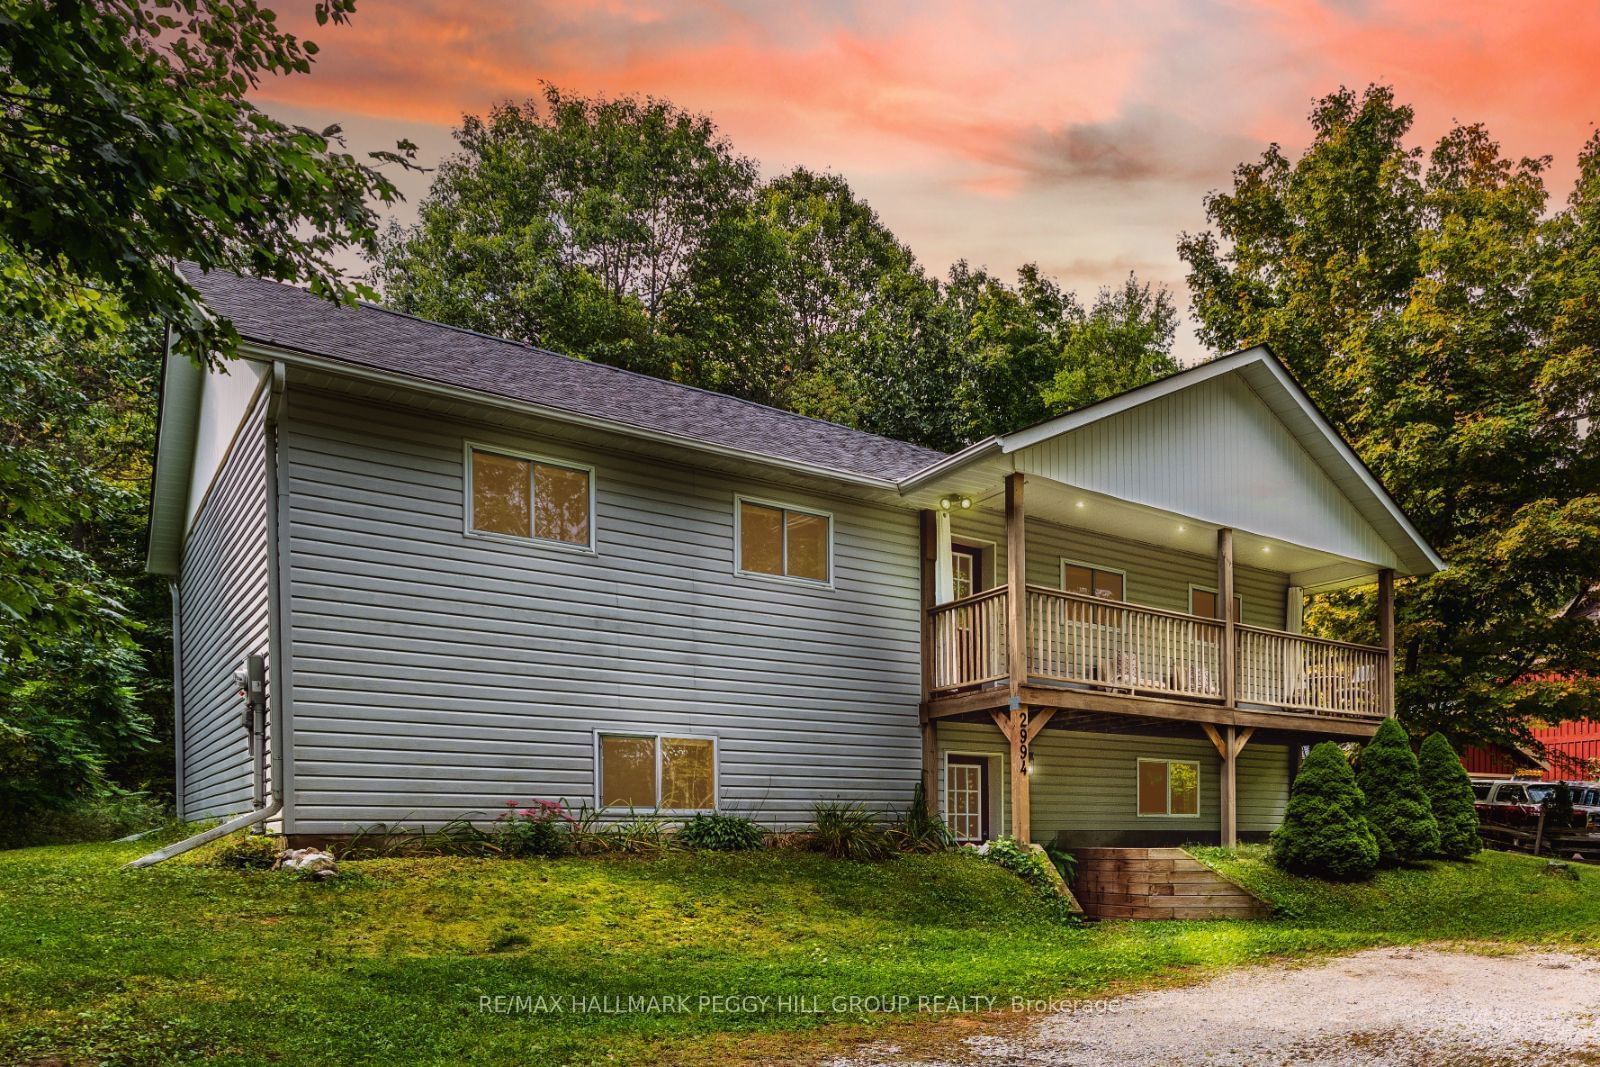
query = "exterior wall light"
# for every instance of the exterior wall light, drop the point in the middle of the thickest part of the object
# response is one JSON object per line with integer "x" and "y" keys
{"x": 955, "y": 502}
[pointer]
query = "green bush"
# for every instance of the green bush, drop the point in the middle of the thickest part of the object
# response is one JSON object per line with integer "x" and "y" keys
{"x": 249, "y": 852}
{"x": 849, "y": 832}
{"x": 716, "y": 832}
{"x": 1324, "y": 832}
{"x": 1397, "y": 809}
{"x": 925, "y": 832}
{"x": 1449, "y": 791}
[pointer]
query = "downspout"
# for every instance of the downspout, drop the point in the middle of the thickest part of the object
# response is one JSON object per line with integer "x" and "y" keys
{"x": 275, "y": 657}
{"x": 177, "y": 693}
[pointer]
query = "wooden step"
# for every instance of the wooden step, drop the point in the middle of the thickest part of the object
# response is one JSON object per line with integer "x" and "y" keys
{"x": 1156, "y": 883}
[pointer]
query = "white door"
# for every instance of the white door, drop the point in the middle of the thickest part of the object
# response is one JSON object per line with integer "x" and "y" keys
{"x": 965, "y": 803}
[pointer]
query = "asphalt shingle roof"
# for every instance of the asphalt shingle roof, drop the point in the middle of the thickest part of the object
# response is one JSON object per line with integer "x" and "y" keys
{"x": 283, "y": 316}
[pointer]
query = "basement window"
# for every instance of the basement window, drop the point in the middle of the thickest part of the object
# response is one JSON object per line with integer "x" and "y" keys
{"x": 652, "y": 771}
{"x": 1169, "y": 787}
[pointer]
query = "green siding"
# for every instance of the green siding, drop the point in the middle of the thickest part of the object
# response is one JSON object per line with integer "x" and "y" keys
{"x": 1156, "y": 577}
{"x": 1089, "y": 781}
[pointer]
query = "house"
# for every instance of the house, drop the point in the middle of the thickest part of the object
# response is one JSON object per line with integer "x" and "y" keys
{"x": 475, "y": 571}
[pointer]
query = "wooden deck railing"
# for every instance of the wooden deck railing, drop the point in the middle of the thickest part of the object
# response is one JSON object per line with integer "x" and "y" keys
{"x": 1081, "y": 640}
{"x": 1076, "y": 638}
{"x": 1309, "y": 674}
{"x": 969, "y": 641}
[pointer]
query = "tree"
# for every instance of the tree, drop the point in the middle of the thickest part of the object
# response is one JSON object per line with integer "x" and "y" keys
{"x": 1123, "y": 342}
{"x": 1449, "y": 791}
{"x": 1445, "y": 324}
{"x": 576, "y": 223}
{"x": 1557, "y": 808}
{"x": 1324, "y": 832}
{"x": 1397, "y": 808}
{"x": 76, "y": 426}
{"x": 127, "y": 143}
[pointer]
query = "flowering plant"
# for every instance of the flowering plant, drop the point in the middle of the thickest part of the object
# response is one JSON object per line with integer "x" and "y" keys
{"x": 538, "y": 828}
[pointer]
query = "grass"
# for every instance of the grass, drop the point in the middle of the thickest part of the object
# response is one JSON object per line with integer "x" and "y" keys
{"x": 185, "y": 962}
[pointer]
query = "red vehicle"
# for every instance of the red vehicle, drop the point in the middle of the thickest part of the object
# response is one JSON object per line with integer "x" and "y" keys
{"x": 1510, "y": 803}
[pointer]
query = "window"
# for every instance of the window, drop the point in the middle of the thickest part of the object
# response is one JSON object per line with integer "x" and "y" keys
{"x": 967, "y": 564}
{"x": 514, "y": 495}
{"x": 1169, "y": 787}
{"x": 1101, "y": 582}
{"x": 783, "y": 542}
{"x": 669, "y": 773}
{"x": 1203, "y": 602}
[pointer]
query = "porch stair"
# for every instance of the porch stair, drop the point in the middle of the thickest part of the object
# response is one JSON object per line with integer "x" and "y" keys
{"x": 1157, "y": 883}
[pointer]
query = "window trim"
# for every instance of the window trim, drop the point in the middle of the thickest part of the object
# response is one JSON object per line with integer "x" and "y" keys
{"x": 1067, "y": 561}
{"x": 469, "y": 446}
{"x": 739, "y": 500}
{"x": 658, "y": 736}
{"x": 1169, "y": 813}
{"x": 1196, "y": 587}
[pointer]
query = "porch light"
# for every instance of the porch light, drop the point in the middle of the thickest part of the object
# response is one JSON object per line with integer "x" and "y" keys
{"x": 1181, "y": 527}
{"x": 1080, "y": 503}
{"x": 955, "y": 503}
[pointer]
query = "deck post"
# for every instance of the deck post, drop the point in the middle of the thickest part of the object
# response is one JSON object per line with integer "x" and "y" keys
{"x": 930, "y": 726}
{"x": 1229, "y": 742}
{"x": 1225, "y": 611}
{"x": 1386, "y": 639}
{"x": 1017, "y": 652}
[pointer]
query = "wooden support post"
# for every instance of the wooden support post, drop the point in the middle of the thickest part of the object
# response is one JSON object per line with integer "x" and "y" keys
{"x": 1225, "y": 612}
{"x": 930, "y": 727}
{"x": 1229, "y": 742}
{"x": 1386, "y": 639}
{"x": 1021, "y": 752}
{"x": 1016, "y": 585}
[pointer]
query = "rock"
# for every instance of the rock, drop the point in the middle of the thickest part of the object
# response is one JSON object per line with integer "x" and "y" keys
{"x": 308, "y": 863}
{"x": 1557, "y": 869}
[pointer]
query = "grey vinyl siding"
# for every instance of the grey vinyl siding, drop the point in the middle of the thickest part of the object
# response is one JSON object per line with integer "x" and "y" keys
{"x": 224, "y": 618}
{"x": 438, "y": 674}
{"x": 1156, "y": 577}
{"x": 1088, "y": 782}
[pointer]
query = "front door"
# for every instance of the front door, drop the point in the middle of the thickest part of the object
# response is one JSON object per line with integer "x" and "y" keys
{"x": 966, "y": 796}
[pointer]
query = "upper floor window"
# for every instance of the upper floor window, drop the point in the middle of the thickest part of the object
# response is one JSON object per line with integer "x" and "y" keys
{"x": 784, "y": 542}
{"x": 1093, "y": 581}
{"x": 519, "y": 495}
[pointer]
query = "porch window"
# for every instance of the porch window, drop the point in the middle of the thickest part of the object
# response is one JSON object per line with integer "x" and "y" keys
{"x": 517, "y": 495}
{"x": 784, "y": 542}
{"x": 669, "y": 773}
{"x": 967, "y": 566}
{"x": 1093, "y": 581}
{"x": 1169, "y": 787}
{"x": 1203, "y": 602}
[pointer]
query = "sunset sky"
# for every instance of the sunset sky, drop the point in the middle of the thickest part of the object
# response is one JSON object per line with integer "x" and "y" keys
{"x": 1079, "y": 135}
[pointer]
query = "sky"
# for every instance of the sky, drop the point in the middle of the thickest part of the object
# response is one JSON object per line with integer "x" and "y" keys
{"x": 1082, "y": 136}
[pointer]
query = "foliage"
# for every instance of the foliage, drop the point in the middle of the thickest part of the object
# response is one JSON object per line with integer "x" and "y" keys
{"x": 541, "y": 828}
{"x": 848, "y": 831}
{"x": 248, "y": 852}
{"x": 640, "y": 835}
{"x": 1324, "y": 831}
{"x": 76, "y": 424}
{"x": 1038, "y": 869}
{"x": 1065, "y": 863}
{"x": 1397, "y": 808}
{"x": 1445, "y": 321}
{"x": 923, "y": 830}
{"x": 1449, "y": 791}
{"x": 395, "y": 938}
{"x": 630, "y": 232}
{"x": 716, "y": 832}
{"x": 102, "y": 816}
{"x": 127, "y": 143}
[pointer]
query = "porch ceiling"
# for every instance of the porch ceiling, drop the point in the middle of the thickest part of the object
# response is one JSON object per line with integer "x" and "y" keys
{"x": 1067, "y": 505}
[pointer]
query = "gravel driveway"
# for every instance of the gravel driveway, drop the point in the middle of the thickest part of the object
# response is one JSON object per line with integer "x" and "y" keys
{"x": 1383, "y": 1006}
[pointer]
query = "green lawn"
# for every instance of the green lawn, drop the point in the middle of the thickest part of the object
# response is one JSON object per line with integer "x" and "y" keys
{"x": 184, "y": 961}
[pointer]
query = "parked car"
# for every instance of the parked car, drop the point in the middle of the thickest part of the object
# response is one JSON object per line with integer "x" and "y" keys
{"x": 1509, "y": 803}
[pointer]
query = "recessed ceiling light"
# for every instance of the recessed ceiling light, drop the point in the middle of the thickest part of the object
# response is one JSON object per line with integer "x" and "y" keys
{"x": 1080, "y": 503}
{"x": 1180, "y": 529}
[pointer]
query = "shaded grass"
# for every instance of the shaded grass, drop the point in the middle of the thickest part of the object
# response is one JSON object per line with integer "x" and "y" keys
{"x": 388, "y": 964}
